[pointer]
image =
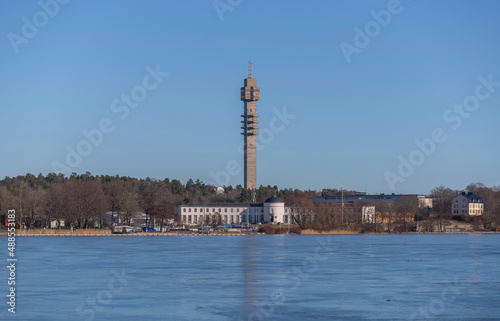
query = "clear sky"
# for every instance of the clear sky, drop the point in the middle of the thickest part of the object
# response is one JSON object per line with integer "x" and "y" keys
{"x": 64, "y": 70}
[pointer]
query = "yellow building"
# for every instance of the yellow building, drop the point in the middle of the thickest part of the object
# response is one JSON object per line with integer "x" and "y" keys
{"x": 386, "y": 217}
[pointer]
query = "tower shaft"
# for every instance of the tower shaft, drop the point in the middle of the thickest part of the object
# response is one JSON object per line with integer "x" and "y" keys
{"x": 250, "y": 94}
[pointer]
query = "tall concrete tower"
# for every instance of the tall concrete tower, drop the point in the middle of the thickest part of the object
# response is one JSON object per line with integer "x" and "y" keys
{"x": 250, "y": 95}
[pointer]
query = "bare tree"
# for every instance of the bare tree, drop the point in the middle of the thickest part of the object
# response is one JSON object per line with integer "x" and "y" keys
{"x": 166, "y": 208}
{"x": 86, "y": 201}
{"x": 387, "y": 214}
{"x": 113, "y": 191}
{"x": 216, "y": 220}
{"x": 5, "y": 199}
{"x": 302, "y": 213}
{"x": 406, "y": 208}
{"x": 128, "y": 205}
{"x": 150, "y": 197}
{"x": 19, "y": 191}
{"x": 55, "y": 206}
{"x": 35, "y": 203}
{"x": 495, "y": 209}
{"x": 441, "y": 205}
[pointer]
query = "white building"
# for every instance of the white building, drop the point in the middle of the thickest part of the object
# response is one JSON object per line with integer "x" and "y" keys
{"x": 467, "y": 203}
{"x": 368, "y": 214}
{"x": 424, "y": 201}
{"x": 273, "y": 211}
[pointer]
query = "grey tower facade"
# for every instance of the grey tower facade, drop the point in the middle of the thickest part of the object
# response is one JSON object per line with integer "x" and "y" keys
{"x": 250, "y": 95}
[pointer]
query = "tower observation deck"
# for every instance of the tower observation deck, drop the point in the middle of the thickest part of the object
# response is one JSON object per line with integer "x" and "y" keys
{"x": 250, "y": 95}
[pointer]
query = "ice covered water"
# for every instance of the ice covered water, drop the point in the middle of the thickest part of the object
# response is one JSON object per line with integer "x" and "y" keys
{"x": 351, "y": 277}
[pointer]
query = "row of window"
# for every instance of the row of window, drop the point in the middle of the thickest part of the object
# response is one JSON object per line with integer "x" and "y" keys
{"x": 458, "y": 205}
{"x": 470, "y": 205}
{"x": 195, "y": 210}
{"x": 471, "y": 201}
{"x": 199, "y": 218}
{"x": 472, "y": 211}
{"x": 253, "y": 219}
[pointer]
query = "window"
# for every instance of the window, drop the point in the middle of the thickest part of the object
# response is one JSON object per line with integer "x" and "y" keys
{"x": 213, "y": 210}
{"x": 195, "y": 218}
{"x": 232, "y": 210}
{"x": 220, "y": 210}
{"x": 184, "y": 210}
{"x": 184, "y": 218}
{"x": 232, "y": 218}
{"x": 225, "y": 210}
{"x": 189, "y": 210}
{"x": 189, "y": 218}
{"x": 195, "y": 210}
{"x": 225, "y": 218}
{"x": 243, "y": 218}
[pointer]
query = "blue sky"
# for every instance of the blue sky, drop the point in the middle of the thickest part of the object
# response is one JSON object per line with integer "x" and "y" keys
{"x": 353, "y": 122}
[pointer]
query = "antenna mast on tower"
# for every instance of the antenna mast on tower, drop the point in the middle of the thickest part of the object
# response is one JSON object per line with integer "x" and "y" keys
{"x": 250, "y": 69}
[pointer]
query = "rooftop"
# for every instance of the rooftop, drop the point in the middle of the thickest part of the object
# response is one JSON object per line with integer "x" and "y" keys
{"x": 274, "y": 199}
{"x": 218, "y": 204}
{"x": 472, "y": 197}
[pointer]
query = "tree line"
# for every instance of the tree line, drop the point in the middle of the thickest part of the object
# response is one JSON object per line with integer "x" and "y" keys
{"x": 82, "y": 200}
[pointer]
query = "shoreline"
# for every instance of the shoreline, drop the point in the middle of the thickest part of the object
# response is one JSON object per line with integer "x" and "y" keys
{"x": 237, "y": 234}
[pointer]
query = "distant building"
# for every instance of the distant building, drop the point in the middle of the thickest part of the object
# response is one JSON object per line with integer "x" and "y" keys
{"x": 368, "y": 214}
{"x": 57, "y": 224}
{"x": 467, "y": 203}
{"x": 273, "y": 210}
{"x": 365, "y": 208}
{"x": 121, "y": 218}
{"x": 363, "y": 198}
